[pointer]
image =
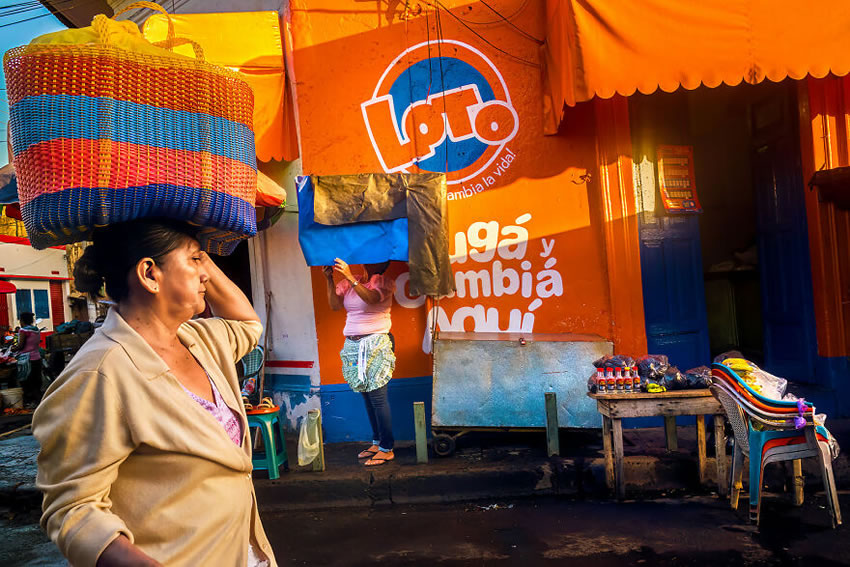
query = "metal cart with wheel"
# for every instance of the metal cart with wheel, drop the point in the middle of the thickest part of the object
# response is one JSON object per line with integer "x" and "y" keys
{"x": 497, "y": 382}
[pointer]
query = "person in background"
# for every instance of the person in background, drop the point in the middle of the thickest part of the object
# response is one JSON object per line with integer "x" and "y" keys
{"x": 29, "y": 339}
{"x": 368, "y": 354}
{"x": 145, "y": 457}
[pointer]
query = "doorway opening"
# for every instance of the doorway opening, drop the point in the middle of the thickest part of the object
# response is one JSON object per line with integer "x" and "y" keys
{"x": 735, "y": 276}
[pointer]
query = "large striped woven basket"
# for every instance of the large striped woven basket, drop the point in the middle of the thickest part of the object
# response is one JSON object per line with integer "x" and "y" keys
{"x": 108, "y": 128}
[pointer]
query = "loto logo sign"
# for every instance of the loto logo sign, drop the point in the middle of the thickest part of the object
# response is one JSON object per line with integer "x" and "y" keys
{"x": 442, "y": 107}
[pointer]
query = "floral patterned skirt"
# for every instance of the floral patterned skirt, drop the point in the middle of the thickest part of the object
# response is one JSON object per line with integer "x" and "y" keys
{"x": 368, "y": 363}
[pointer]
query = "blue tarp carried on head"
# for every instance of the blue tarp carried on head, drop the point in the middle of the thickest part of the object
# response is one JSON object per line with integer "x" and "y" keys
{"x": 356, "y": 243}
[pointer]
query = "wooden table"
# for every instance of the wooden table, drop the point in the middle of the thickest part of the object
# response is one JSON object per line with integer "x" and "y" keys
{"x": 615, "y": 407}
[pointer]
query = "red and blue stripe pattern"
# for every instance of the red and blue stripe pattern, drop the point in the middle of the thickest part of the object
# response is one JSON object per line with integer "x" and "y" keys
{"x": 101, "y": 135}
{"x": 129, "y": 122}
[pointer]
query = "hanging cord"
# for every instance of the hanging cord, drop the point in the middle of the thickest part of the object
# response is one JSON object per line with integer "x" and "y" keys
{"x": 428, "y": 41}
{"x": 21, "y": 8}
{"x": 488, "y": 22}
{"x": 439, "y": 28}
{"x": 262, "y": 382}
{"x": 513, "y": 25}
{"x": 482, "y": 38}
{"x": 434, "y": 329}
{"x": 432, "y": 305}
{"x": 266, "y": 342}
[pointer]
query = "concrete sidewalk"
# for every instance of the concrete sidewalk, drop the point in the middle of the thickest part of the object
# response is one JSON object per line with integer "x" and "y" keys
{"x": 485, "y": 465}
{"x": 491, "y": 465}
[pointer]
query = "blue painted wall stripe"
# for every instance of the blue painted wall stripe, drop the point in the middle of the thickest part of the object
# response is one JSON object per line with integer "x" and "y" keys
{"x": 344, "y": 413}
{"x": 289, "y": 383}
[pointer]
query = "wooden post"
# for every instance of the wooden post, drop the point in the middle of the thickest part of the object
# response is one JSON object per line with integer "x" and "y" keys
{"x": 607, "y": 445}
{"x": 419, "y": 427}
{"x": 319, "y": 461}
{"x": 701, "y": 457}
{"x": 670, "y": 433}
{"x": 618, "y": 458}
{"x": 553, "y": 444}
{"x": 798, "y": 481}
{"x": 720, "y": 452}
{"x": 737, "y": 485}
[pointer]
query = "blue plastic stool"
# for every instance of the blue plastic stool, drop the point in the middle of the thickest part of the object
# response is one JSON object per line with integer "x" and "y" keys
{"x": 274, "y": 447}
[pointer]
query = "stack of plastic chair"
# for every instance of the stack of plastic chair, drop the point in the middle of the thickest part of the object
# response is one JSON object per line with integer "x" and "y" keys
{"x": 768, "y": 431}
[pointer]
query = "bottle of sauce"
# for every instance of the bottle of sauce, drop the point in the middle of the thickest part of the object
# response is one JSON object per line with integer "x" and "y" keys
{"x": 610, "y": 381}
{"x": 636, "y": 386}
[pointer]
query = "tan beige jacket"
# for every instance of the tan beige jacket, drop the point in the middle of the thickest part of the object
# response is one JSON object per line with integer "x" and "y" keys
{"x": 125, "y": 450}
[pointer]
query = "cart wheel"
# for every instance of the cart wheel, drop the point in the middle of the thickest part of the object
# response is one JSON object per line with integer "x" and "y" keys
{"x": 444, "y": 445}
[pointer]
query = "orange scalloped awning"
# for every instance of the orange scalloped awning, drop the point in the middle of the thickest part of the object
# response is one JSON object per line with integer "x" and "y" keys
{"x": 604, "y": 47}
{"x": 249, "y": 43}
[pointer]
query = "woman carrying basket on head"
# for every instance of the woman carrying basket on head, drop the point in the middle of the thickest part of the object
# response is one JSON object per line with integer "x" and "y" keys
{"x": 368, "y": 354}
{"x": 145, "y": 457}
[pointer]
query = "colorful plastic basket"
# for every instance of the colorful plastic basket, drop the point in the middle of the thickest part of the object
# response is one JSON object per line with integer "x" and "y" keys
{"x": 117, "y": 129}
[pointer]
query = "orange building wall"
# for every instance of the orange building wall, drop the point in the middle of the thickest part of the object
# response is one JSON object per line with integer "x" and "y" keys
{"x": 559, "y": 214}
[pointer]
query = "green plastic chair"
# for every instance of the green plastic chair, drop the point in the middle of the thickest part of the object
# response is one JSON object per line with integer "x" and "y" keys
{"x": 267, "y": 420}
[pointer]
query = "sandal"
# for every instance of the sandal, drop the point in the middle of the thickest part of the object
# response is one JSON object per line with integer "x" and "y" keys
{"x": 373, "y": 462}
{"x": 248, "y": 405}
{"x": 266, "y": 403}
{"x": 367, "y": 453}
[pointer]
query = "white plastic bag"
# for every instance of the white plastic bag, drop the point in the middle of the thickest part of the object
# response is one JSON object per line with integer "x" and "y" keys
{"x": 308, "y": 439}
{"x": 773, "y": 387}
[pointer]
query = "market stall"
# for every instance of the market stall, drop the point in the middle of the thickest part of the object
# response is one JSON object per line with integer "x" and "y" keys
{"x": 487, "y": 381}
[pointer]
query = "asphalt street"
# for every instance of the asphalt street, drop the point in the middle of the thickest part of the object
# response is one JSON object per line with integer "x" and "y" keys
{"x": 681, "y": 530}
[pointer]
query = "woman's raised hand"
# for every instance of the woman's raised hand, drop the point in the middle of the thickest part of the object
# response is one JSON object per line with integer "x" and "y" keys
{"x": 344, "y": 269}
{"x": 223, "y": 296}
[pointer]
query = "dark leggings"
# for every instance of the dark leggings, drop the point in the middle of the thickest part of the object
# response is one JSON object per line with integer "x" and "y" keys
{"x": 380, "y": 417}
{"x": 32, "y": 384}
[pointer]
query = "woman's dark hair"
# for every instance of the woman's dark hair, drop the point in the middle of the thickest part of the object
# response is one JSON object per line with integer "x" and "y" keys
{"x": 116, "y": 249}
{"x": 380, "y": 267}
{"x": 27, "y": 318}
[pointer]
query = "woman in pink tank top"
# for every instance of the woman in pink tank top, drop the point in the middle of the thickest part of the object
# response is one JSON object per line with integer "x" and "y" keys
{"x": 368, "y": 354}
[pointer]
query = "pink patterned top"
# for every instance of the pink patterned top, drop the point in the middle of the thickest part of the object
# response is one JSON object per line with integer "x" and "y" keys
{"x": 227, "y": 417}
{"x": 29, "y": 337}
{"x": 362, "y": 318}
